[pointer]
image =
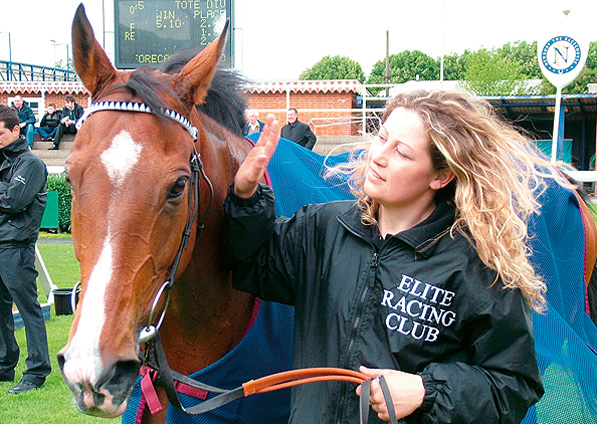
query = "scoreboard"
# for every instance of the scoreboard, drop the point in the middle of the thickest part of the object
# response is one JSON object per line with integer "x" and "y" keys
{"x": 149, "y": 32}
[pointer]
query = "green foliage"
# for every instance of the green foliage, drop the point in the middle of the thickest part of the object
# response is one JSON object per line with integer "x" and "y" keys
{"x": 406, "y": 66}
{"x": 455, "y": 66}
{"x": 334, "y": 67}
{"x": 58, "y": 183}
{"x": 499, "y": 71}
{"x": 524, "y": 55}
{"x": 488, "y": 73}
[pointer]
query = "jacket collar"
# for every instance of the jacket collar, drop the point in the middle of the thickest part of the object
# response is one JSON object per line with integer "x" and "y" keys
{"x": 15, "y": 148}
{"x": 422, "y": 237}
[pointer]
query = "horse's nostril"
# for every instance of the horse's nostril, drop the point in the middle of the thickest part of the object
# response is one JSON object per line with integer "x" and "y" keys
{"x": 123, "y": 376}
{"x": 61, "y": 360}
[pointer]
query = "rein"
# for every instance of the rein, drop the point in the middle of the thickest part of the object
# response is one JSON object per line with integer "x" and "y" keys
{"x": 265, "y": 384}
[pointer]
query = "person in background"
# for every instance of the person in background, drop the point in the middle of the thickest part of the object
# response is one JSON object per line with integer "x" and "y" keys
{"x": 26, "y": 119}
{"x": 22, "y": 202}
{"x": 254, "y": 125}
{"x": 297, "y": 131}
{"x": 71, "y": 113}
{"x": 423, "y": 282}
{"x": 49, "y": 123}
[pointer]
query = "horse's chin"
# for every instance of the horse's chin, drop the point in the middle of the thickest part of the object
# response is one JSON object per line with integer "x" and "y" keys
{"x": 87, "y": 403}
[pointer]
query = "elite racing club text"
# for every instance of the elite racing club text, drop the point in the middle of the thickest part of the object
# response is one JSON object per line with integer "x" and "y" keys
{"x": 418, "y": 309}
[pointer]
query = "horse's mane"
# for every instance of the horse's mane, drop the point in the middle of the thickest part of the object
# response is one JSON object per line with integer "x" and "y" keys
{"x": 223, "y": 103}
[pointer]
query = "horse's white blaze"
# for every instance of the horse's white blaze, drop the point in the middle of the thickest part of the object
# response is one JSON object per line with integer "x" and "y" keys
{"x": 121, "y": 156}
{"x": 83, "y": 361}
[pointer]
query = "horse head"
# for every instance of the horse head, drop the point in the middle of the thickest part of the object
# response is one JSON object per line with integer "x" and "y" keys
{"x": 134, "y": 194}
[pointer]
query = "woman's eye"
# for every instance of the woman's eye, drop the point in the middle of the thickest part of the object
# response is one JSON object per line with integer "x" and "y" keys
{"x": 400, "y": 153}
{"x": 178, "y": 188}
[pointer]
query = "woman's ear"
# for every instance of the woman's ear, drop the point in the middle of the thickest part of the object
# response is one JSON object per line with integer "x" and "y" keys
{"x": 442, "y": 179}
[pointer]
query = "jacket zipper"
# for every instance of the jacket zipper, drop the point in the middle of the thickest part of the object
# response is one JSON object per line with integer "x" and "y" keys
{"x": 353, "y": 333}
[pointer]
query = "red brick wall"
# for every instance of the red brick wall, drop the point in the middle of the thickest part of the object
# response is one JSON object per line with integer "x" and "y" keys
{"x": 332, "y": 122}
{"x": 58, "y": 98}
{"x": 336, "y": 123}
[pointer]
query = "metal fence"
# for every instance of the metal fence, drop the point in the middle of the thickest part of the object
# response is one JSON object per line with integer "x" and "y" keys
{"x": 14, "y": 71}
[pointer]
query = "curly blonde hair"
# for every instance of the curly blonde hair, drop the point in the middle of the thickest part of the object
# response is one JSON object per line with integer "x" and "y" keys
{"x": 498, "y": 178}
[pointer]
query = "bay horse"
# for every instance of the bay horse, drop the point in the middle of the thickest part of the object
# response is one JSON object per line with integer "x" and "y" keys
{"x": 134, "y": 171}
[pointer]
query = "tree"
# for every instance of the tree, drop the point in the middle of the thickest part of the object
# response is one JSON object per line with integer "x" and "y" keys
{"x": 334, "y": 67}
{"x": 406, "y": 66}
{"x": 488, "y": 73}
{"x": 525, "y": 55}
{"x": 455, "y": 66}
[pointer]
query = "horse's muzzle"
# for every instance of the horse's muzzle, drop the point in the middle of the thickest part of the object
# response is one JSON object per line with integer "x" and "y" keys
{"x": 105, "y": 396}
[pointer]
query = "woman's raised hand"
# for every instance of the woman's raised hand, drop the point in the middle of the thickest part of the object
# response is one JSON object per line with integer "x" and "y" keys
{"x": 253, "y": 168}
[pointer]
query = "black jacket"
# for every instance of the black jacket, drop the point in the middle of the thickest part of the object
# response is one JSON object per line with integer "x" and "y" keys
{"x": 75, "y": 113}
{"x": 25, "y": 114}
{"x": 51, "y": 120}
{"x": 419, "y": 303}
{"x": 299, "y": 133}
{"x": 22, "y": 194}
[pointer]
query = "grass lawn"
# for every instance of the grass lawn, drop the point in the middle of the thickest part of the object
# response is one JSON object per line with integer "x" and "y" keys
{"x": 52, "y": 403}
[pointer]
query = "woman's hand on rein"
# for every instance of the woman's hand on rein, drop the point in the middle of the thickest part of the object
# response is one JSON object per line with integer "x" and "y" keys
{"x": 253, "y": 168}
{"x": 407, "y": 392}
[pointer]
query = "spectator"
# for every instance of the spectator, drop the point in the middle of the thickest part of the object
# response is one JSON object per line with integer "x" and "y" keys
{"x": 49, "y": 123}
{"x": 71, "y": 113}
{"x": 254, "y": 125}
{"x": 26, "y": 119}
{"x": 298, "y": 132}
{"x": 22, "y": 202}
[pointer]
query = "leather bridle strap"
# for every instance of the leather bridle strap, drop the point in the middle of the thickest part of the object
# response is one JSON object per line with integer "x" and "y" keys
{"x": 364, "y": 401}
{"x": 262, "y": 385}
{"x": 194, "y": 208}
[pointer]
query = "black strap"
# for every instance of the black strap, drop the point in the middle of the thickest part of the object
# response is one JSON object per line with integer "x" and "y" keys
{"x": 168, "y": 376}
{"x": 364, "y": 401}
{"x": 388, "y": 398}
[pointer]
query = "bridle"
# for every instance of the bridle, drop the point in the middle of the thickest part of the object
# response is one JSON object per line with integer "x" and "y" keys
{"x": 150, "y": 333}
{"x": 150, "y": 330}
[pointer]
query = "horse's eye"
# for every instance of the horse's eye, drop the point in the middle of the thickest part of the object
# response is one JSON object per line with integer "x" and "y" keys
{"x": 178, "y": 188}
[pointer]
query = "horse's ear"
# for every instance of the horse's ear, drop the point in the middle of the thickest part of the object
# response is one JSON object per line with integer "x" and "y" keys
{"x": 194, "y": 79}
{"x": 90, "y": 60}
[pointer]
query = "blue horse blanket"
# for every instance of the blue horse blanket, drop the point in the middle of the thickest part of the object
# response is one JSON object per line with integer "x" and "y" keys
{"x": 565, "y": 336}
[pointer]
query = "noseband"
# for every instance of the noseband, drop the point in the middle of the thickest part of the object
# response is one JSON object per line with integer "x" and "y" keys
{"x": 150, "y": 330}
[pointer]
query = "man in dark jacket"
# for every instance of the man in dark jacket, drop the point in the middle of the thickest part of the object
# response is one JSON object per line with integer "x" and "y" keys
{"x": 26, "y": 119}
{"x": 49, "y": 123}
{"x": 71, "y": 113}
{"x": 298, "y": 132}
{"x": 22, "y": 202}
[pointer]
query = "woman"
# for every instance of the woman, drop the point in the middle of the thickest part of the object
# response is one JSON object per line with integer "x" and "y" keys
{"x": 424, "y": 280}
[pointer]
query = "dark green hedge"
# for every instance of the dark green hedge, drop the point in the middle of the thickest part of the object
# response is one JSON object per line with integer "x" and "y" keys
{"x": 58, "y": 183}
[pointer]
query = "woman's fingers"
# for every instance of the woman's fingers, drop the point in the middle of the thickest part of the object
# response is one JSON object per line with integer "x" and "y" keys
{"x": 253, "y": 167}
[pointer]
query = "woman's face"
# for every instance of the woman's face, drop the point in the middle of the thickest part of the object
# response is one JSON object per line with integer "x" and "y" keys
{"x": 399, "y": 171}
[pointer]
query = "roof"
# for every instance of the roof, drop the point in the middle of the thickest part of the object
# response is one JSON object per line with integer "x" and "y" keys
{"x": 577, "y": 106}
{"x": 59, "y": 87}
{"x": 307, "y": 86}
